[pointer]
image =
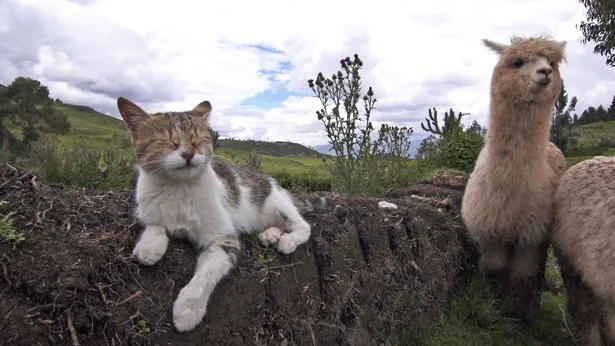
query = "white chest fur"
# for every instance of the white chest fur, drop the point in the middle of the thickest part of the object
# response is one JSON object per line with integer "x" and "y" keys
{"x": 194, "y": 206}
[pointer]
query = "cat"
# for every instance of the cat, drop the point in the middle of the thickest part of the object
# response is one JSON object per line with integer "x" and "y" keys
{"x": 184, "y": 191}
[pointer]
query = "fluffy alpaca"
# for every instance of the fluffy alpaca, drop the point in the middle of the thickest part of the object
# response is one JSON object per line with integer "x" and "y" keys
{"x": 508, "y": 202}
{"x": 556, "y": 159}
{"x": 585, "y": 247}
{"x": 182, "y": 191}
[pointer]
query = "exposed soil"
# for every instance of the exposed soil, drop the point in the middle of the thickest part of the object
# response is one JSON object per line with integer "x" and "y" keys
{"x": 366, "y": 276}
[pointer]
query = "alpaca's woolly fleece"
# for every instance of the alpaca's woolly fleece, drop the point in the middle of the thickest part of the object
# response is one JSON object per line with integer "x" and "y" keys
{"x": 583, "y": 236}
{"x": 509, "y": 194}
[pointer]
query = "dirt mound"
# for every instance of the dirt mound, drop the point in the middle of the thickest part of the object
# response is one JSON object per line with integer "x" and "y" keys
{"x": 366, "y": 275}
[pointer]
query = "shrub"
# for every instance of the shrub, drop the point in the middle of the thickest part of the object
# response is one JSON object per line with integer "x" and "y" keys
{"x": 309, "y": 181}
{"x": 361, "y": 162}
{"x": 80, "y": 165}
{"x": 451, "y": 145}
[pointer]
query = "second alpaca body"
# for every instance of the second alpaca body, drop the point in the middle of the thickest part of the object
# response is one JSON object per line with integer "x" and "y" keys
{"x": 585, "y": 248}
{"x": 182, "y": 191}
{"x": 508, "y": 202}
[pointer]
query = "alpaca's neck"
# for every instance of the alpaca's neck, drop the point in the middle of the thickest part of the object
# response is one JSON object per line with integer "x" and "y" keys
{"x": 519, "y": 132}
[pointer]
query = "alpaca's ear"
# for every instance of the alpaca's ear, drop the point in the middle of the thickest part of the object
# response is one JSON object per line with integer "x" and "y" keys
{"x": 203, "y": 109}
{"x": 131, "y": 113}
{"x": 494, "y": 46}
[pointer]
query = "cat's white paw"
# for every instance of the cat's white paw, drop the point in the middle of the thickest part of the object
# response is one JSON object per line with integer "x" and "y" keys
{"x": 287, "y": 244}
{"x": 150, "y": 249}
{"x": 188, "y": 309}
{"x": 270, "y": 236}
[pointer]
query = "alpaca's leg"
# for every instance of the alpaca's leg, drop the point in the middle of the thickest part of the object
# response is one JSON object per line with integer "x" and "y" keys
{"x": 494, "y": 262}
{"x": 608, "y": 336}
{"x": 582, "y": 305}
{"x": 526, "y": 280}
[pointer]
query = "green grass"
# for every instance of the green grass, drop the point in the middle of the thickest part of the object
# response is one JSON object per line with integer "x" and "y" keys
{"x": 7, "y": 231}
{"x": 573, "y": 160}
{"x": 275, "y": 164}
{"x": 589, "y": 134}
{"x": 474, "y": 320}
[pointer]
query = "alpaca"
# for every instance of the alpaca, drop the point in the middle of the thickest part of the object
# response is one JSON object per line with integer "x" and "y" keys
{"x": 585, "y": 248}
{"x": 508, "y": 202}
{"x": 183, "y": 191}
{"x": 557, "y": 160}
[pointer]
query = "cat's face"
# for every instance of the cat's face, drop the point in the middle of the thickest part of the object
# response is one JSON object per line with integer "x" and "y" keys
{"x": 174, "y": 145}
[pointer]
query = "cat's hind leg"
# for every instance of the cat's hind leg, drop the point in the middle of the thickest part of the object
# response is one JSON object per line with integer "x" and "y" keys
{"x": 299, "y": 230}
{"x": 270, "y": 236}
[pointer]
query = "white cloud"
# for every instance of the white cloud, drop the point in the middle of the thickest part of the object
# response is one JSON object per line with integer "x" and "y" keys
{"x": 173, "y": 55}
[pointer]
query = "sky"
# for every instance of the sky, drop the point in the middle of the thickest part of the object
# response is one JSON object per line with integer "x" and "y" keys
{"x": 252, "y": 59}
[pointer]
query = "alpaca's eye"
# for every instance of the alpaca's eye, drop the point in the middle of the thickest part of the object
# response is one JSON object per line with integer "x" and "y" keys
{"x": 552, "y": 63}
{"x": 518, "y": 63}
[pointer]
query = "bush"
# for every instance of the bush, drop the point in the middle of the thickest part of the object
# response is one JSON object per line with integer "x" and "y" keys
{"x": 309, "y": 182}
{"x": 80, "y": 165}
{"x": 362, "y": 165}
{"x": 461, "y": 150}
{"x": 458, "y": 150}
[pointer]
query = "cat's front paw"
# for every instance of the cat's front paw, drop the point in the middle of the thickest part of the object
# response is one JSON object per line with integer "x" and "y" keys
{"x": 270, "y": 236}
{"x": 188, "y": 309}
{"x": 287, "y": 244}
{"x": 150, "y": 249}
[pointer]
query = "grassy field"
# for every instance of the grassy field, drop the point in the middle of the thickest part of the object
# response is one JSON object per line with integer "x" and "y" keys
{"x": 589, "y": 134}
{"x": 573, "y": 160}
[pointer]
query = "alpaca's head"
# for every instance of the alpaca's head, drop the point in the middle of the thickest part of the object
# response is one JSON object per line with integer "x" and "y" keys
{"x": 175, "y": 145}
{"x": 528, "y": 69}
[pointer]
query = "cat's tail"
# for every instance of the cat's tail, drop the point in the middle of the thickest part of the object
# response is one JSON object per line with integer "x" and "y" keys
{"x": 315, "y": 205}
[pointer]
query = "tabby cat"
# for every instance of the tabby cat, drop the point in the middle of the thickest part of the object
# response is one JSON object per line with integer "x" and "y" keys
{"x": 184, "y": 191}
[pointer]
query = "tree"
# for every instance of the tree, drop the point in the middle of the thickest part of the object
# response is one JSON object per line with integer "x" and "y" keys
{"x": 561, "y": 120}
{"x": 611, "y": 110}
{"x": 475, "y": 127}
{"x": 451, "y": 122}
{"x": 599, "y": 27}
{"x": 25, "y": 104}
{"x": 214, "y": 138}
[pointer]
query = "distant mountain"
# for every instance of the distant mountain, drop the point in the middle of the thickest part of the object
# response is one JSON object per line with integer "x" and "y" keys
{"x": 324, "y": 149}
{"x": 280, "y": 148}
{"x": 327, "y": 150}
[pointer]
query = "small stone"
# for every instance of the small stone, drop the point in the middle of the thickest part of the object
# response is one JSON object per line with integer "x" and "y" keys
{"x": 386, "y": 205}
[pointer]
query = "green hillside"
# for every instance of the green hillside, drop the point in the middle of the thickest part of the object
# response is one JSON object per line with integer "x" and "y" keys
{"x": 97, "y": 129}
{"x": 592, "y": 139}
{"x": 100, "y": 130}
{"x": 590, "y": 134}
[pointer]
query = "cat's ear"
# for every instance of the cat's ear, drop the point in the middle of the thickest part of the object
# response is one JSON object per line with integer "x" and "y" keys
{"x": 203, "y": 109}
{"x": 131, "y": 113}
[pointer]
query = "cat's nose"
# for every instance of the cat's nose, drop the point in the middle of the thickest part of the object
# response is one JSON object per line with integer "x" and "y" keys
{"x": 187, "y": 155}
